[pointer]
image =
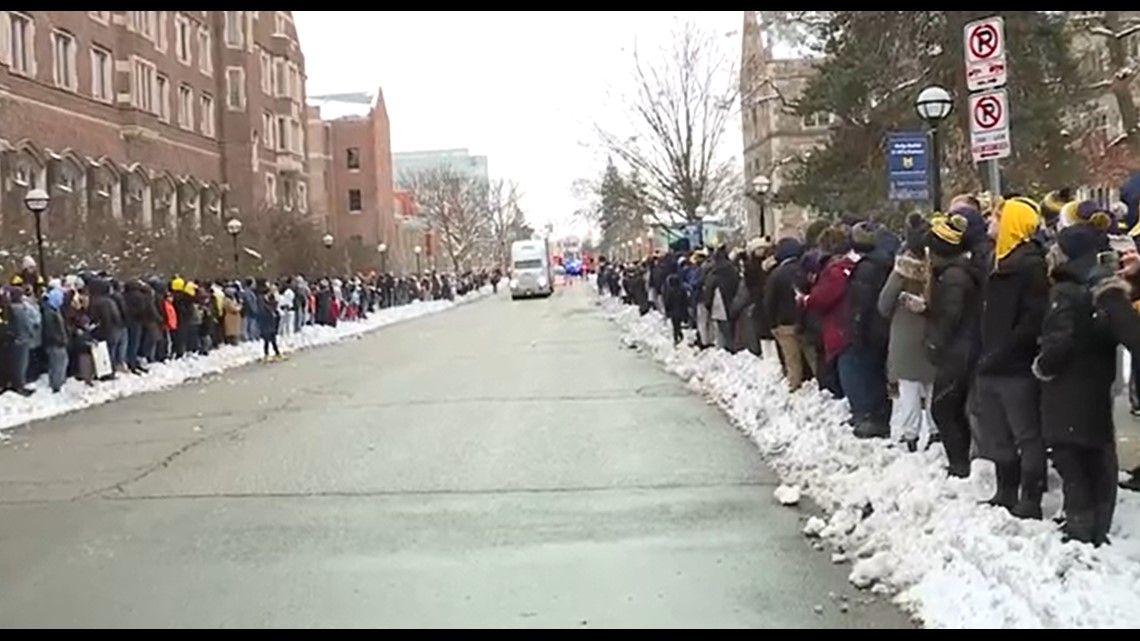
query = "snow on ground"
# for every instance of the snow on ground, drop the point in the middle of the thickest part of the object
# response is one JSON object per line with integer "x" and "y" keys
{"x": 908, "y": 529}
{"x": 16, "y": 410}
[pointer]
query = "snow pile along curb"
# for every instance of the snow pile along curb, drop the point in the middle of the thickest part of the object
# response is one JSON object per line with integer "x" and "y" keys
{"x": 16, "y": 411}
{"x": 908, "y": 529}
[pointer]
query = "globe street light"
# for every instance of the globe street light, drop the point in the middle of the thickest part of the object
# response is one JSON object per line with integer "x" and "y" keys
{"x": 233, "y": 228}
{"x": 382, "y": 249}
{"x": 328, "y": 241}
{"x": 934, "y": 104}
{"x": 762, "y": 185}
{"x": 418, "y": 251}
{"x": 37, "y": 201}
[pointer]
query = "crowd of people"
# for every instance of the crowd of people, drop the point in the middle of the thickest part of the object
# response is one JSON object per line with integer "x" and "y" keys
{"x": 999, "y": 324}
{"x": 95, "y": 327}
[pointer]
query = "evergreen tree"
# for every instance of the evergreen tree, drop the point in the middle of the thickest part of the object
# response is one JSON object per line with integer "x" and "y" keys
{"x": 873, "y": 64}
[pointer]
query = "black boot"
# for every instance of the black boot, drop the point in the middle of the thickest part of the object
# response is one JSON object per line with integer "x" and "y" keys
{"x": 1133, "y": 483}
{"x": 1080, "y": 527}
{"x": 1029, "y": 506}
{"x": 1008, "y": 483}
{"x": 871, "y": 428}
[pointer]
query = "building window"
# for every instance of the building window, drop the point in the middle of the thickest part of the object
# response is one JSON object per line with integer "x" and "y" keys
{"x": 295, "y": 82}
{"x": 102, "y": 17}
{"x": 186, "y": 107}
{"x": 302, "y": 197}
{"x": 143, "y": 85}
{"x": 23, "y": 44}
{"x": 266, "y": 73}
{"x": 162, "y": 97}
{"x": 282, "y": 133}
{"x": 280, "y": 78}
{"x": 355, "y": 201}
{"x": 269, "y": 131}
{"x": 235, "y": 88}
{"x": 271, "y": 188}
{"x": 298, "y": 138}
{"x": 162, "y": 37}
{"x": 279, "y": 24}
{"x": 182, "y": 39}
{"x": 64, "y": 60}
{"x": 102, "y": 87}
{"x": 208, "y": 115}
{"x": 144, "y": 23}
{"x": 820, "y": 120}
{"x": 235, "y": 30}
{"x": 205, "y": 51}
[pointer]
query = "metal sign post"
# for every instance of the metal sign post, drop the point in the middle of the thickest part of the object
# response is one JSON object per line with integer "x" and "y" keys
{"x": 987, "y": 74}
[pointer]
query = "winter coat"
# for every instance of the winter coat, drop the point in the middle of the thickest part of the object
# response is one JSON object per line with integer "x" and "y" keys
{"x": 726, "y": 282}
{"x": 1077, "y": 363}
{"x": 25, "y": 327}
{"x": 231, "y": 318}
{"x": 105, "y": 312}
{"x": 866, "y": 328}
{"x": 756, "y": 280}
{"x": 828, "y": 299}
{"x": 268, "y": 316}
{"x": 54, "y": 328}
{"x": 780, "y": 289}
{"x": 1016, "y": 297}
{"x": 675, "y": 298}
{"x": 139, "y": 303}
{"x": 907, "y": 359}
{"x": 952, "y": 312}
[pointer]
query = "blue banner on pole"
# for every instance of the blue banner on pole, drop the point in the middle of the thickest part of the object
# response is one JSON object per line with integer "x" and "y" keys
{"x": 908, "y": 165}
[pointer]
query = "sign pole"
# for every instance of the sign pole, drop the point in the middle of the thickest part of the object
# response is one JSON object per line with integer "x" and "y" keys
{"x": 987, "y": 74}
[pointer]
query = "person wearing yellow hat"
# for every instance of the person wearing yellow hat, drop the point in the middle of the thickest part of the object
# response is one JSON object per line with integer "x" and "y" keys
{"x": 1008, "y": 395}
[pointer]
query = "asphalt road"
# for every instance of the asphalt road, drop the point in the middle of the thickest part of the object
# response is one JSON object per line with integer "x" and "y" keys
{"x": 500, "y": 465}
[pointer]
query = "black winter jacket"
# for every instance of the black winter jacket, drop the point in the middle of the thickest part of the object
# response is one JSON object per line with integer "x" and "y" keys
{"x": 1016, "y": 298}
{"x": 780, "y": 293}
{"x": 1077, "y": 363}
{"x": 866, "y": 327}
{"x": 954, "y": 308}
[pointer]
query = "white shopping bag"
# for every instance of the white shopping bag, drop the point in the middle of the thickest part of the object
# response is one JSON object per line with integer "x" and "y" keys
{"x": 101, "y": 356}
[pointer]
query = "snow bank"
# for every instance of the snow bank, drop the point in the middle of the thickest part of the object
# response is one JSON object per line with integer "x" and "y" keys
{"x": 907, "y": 529}
{"x": 16, "y": 410}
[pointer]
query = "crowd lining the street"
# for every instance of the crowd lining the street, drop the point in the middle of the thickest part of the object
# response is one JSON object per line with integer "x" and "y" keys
{"x": 998, "y": 324}
{"x": 95, "y": 327}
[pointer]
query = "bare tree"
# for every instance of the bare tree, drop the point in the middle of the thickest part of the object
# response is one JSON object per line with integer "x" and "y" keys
{"x": 1110, "y": 58}
{"x": 455, "y": 206}
{"x": 680, "y": 110}
{"x": 505, "y": 216}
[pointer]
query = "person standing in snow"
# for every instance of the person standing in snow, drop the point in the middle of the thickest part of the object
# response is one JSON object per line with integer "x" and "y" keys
{"x": 1077, "y": 368}
{"x": 868, "y": 331}
{"x": 55, "y": 338}
{"x": 827, "y": 301}
{"x": 1008, "y": 396}
{"x": 268, "y": 316}
{"x": 952, "y": 310}
{"x": 782, "y": 310}
{"x": 903, "y": 302}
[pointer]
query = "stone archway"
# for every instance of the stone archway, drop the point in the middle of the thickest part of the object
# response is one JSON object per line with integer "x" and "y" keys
{"x": 68, "y": 187}
{"x": 137, "y": 204}
{"x": 24, "y": 169}
{"x": 164, "y": 193}
{"x": 189, "y": 208}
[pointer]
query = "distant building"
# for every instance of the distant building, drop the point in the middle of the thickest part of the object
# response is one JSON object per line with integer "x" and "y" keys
{"x": 351, "y": 162}
{"x": 775, "y": 138}
{"x": 459, "y": 161}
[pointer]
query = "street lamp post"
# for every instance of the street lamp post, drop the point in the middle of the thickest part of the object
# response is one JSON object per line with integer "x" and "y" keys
{"x": 328, "y": 241}
{"x": 934, "y": 105}
{"x": 762, "y": 185}
{"x": 233, "y": 228}
{"x": 702, "y": 213}
{"x": 37, "y": 201}
{"x": 382, "y": 249}
{"x": 419, "y": 252}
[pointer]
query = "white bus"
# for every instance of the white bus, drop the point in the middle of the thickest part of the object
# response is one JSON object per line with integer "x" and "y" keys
{"x": 531, "y": 274}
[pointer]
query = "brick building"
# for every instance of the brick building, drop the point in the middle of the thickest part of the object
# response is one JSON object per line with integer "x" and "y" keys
{"x": 351, "y": 165}
{"x": 775, "y": 137}
{"x": 164, "y": 119}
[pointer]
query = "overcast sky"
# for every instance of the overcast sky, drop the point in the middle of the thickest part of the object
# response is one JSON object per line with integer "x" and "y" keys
{"x": 523, "y": 88}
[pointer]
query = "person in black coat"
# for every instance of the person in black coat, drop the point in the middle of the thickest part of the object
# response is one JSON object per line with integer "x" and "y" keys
{"x": 953, "y": 309}
{"x": 1077, "y": 367}
{"x": 783, "y": 312}
{"x": 1008, "y": 396}
{"x": 868, "y": 333}
{"x": 106, "y": 316}
{"x": 140, "y": 316}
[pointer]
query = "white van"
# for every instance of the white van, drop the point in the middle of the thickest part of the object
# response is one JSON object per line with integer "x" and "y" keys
{"x": 530, "y": 270}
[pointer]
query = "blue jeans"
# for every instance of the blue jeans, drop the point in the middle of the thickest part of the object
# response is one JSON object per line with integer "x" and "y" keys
{"x": 57, "y": 367}
{"x": 21, "y": 354}
{"x": 864, "y": 381}
{"x": 134, "y": 344}
{"x": 250, "y": 330}
{"x": 117, "y": 347}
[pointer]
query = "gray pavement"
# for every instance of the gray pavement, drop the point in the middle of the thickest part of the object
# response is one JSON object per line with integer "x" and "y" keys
{"x": 500, "y": 465}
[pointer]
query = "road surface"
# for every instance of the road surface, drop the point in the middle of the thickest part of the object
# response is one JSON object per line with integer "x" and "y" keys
{"x": 499, "y": 465}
